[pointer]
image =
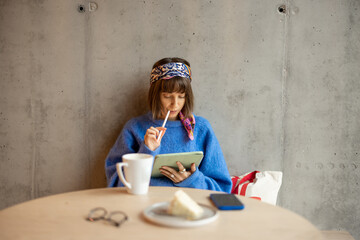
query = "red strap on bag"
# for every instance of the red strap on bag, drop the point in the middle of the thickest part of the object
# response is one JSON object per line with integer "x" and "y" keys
{"x": 237, "y": 181}
{"x": 249, "y": 177}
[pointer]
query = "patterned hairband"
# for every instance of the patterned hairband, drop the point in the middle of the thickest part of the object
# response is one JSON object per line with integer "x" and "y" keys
{"x": 170, "y": 70}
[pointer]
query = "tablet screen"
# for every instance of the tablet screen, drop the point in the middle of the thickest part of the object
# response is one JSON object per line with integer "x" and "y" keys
{"x": 170, "y": 159}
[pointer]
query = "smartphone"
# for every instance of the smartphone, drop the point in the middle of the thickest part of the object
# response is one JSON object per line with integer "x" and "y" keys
{"x": 224, "y": 201}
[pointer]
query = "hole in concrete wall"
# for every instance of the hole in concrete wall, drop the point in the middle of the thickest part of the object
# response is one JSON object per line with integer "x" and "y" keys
{"x": 282, "y": 9}
{"x": 81, "y": 8}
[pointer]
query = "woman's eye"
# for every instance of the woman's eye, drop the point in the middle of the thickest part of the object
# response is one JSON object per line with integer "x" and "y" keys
{"x": 171, "y": 96}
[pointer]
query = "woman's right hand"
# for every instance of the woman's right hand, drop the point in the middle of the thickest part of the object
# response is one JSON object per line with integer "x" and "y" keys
{"x": 151, "y": 137}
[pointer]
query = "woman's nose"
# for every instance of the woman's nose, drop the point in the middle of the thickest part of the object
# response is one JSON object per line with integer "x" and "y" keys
{"x": 174, "y": 101}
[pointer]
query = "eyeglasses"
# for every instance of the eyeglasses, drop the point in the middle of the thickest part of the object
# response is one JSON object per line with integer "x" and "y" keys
{"x": 115, "y": 218}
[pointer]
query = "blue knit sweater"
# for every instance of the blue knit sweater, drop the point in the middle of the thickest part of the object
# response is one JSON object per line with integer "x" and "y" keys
{"x": 212, "y": 174}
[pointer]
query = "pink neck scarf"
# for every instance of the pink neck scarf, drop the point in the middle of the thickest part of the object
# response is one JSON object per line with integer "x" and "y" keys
{"x": 189, "y": 124}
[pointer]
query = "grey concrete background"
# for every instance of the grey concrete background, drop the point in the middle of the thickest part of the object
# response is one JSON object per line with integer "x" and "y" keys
{"x": 281, "y": 91}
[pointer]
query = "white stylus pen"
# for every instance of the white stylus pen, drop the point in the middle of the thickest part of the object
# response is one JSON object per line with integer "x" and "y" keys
{"x": 166, "y": 118}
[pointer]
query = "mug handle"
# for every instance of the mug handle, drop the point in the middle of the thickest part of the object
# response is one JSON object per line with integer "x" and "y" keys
{"x": 121, "y": 175}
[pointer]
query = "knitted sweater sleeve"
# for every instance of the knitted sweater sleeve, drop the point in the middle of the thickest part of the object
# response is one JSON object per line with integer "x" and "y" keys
{"x": 127, "y": 142}
{"x": 212, "y": 173}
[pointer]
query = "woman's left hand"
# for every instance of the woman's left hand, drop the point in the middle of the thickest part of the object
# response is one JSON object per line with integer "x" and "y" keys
{"x": 177, "y": 176}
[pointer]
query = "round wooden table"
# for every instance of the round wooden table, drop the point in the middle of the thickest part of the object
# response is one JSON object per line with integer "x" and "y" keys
{"x": 63, "y": 216}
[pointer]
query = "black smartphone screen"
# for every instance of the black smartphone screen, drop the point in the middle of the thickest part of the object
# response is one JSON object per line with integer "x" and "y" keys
{"x": 224, "y": 201}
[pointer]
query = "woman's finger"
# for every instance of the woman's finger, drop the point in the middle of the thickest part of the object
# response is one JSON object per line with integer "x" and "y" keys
{"x": 174, "y": 175}
{"x": 150, "y": 138}
{"x": 169, "y": 175}
{"x": 152, "y": 131}
{"x": 161, "y": 128}
{"x": 193, "y": 168}
{"x": 168, "y": 169}
{"x": 161, "y": 131}
{"x": 180, "y": 166}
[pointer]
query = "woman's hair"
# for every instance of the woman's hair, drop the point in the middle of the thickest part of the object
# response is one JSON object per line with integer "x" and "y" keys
{"x": 175, "y": 84}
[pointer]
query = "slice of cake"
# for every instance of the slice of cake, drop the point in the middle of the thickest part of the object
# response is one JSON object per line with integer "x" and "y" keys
{"x": 183, "y": 205}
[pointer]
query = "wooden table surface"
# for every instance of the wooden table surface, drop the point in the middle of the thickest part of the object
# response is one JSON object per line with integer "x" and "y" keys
{"x": 63, "y": 216}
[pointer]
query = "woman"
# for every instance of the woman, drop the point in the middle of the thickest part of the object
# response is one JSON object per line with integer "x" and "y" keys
{"x": 170, "y": 90}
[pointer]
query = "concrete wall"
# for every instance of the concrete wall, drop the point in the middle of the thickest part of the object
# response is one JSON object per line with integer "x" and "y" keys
{"x": 281, "y": 91}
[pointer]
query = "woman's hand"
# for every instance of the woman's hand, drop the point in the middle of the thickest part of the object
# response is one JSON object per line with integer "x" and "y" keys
{"x": 177, "y": 176}
{"x": 151, "y": 137}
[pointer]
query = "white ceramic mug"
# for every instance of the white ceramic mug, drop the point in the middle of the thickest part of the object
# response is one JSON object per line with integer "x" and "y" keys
{"x": 137, "y": 169}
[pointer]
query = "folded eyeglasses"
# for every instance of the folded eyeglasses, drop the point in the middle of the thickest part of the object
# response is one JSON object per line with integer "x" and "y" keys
{"x": 115, "y": 218}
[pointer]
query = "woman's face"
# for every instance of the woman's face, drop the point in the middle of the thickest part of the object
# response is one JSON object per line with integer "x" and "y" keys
{"x": 174, "y": 102}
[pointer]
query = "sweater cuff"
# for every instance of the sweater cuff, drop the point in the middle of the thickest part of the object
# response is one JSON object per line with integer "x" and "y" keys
{"x": 144, "y": 149}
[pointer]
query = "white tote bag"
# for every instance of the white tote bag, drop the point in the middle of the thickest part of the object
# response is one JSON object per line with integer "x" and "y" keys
{"x": 262, "y": 185}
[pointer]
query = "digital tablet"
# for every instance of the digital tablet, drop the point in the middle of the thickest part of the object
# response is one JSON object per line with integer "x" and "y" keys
{"x": 170, "y": 159}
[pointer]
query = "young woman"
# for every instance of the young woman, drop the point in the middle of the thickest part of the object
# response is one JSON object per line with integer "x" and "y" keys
{"x": 170, "y": 90}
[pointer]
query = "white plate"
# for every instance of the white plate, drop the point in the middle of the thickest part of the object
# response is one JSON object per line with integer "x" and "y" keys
{"x": 157, "y": 214}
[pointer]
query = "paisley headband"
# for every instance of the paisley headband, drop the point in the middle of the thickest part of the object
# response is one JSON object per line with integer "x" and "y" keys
{"x": 170, "y": 70}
